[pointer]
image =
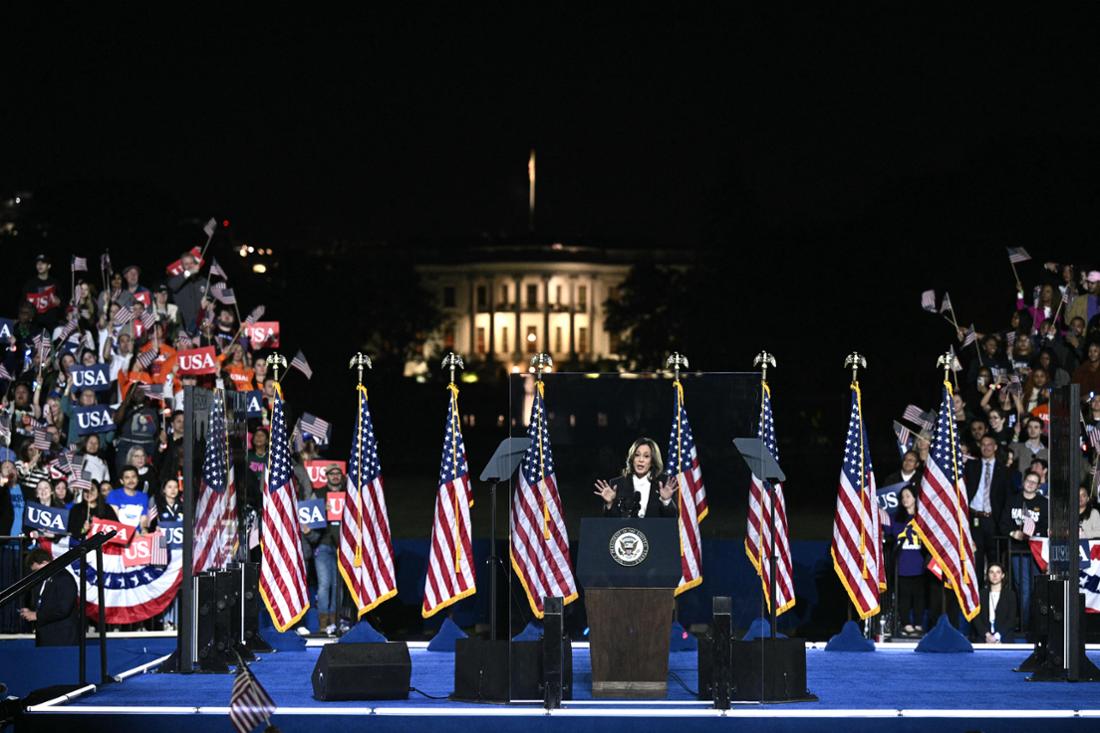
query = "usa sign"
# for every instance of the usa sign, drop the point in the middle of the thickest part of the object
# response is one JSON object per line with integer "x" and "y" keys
{"x": 262, "y": 334}
{"x": 197, "y": 361}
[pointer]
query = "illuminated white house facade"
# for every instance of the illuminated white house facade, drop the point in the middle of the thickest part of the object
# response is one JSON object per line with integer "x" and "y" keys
{"x": 506, "y": 311}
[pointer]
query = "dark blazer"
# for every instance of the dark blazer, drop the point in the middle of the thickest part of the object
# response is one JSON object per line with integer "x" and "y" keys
{"x": 58, "y": 621}
{"x": 1006, "y": 615}
{"x": 627, "y": 502}
{"x": 999, "y": 489}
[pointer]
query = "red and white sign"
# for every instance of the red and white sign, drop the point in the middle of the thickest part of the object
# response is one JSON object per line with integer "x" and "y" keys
{"x": 262, "y": 334}
{"x": 176, "y": 268}
{"x": 140, "y": 551}
{"x": 334, "y": 502}
{"x": 316, "y": 471}
{"x": 197, "y": 361}
{"x": 125, "y": 532}
{"x": 43, "y": 300}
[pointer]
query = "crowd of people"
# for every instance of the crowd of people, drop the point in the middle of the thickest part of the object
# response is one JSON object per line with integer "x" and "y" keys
{"x": 128, "y": 468}
{"x": 1001, "y": 408}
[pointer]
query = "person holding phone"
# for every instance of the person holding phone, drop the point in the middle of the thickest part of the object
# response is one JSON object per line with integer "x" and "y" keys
{"x": 642, "y": 490}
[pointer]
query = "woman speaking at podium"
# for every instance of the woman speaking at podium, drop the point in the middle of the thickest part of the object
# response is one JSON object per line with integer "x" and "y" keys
{"x": 642, "y": 490}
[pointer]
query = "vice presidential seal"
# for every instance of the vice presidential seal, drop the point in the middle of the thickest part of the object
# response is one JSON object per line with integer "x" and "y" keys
{"x": 629, "y": 546}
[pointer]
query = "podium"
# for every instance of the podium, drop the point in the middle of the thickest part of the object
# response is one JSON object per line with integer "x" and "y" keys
{"x": 629, "y": 569}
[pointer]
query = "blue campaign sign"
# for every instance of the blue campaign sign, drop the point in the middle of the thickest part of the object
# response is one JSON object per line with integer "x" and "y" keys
{"x": 311, "y": 513}
{"x": 7, "y": 330}
{"x": 95, "y": 377}
{"x": 94, "y": 419}
{"x": 888, "y": 495}
{"x": 173, "y": 533}
{"x": 47, "y": 518}
{"x": 254, "y": 406}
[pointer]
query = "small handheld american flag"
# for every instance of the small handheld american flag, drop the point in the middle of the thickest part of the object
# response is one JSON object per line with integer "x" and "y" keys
{"x": 1016, "y": 255}
{"x": 299, "y": 362}
{"x": 249, "y": 704}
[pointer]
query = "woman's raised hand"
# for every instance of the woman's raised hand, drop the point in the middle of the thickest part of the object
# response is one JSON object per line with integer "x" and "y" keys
{"x": 604, "y": 491}
{"x": 668, "y": 488}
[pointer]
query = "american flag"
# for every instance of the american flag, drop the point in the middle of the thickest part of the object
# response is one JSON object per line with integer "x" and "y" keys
{"x": 4, "y": 373}
{"x": 315, "y": 427}
{"x": 223, "y": 293}
{"x": 160, "y": 547}
{"x": 79, "y": 482}
{"x": 905, "y": 438}
{"x": 857, "y": 543}
{"x": 41, "y": 439}
{"x": 216, "y": 509}
{"x": 916, "y": 415}
{"x": 256, "y": 314}
{"x": 1093, "y": 433}
{"x": 928, "y": 300}
{"x": 69, "y": 328}
{"x": 282, "y": 570}
{"x": 945, "y": 304}
{"x": 450, "y": 576}
{"x": 943, "y": 518}
{"x": 249, "y": 703}
{"x": 299, "y": 362}
{"x": 683, "y": 464}
{"x": 539, "y": 541}
{"x": 216, "y": 269}
{"x": 122, "y": 316}
{"x": 366, "y": 552}
{"x": 146, "y": 358}
{"x": 1016, "y": 255}
{"x": 41, "y": 344}
{"x": 148, "y": 320}
{"x": 210, "y": 227}
{"x": 1010, "y": 340}
{"x": 105, "y": 262}
{"x": 80, "y": 264}
{"x": 970, "y": 337}
{"x": 758, "y": 533}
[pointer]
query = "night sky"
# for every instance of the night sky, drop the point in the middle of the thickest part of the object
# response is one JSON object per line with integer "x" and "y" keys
{"x": 839, "y": 161}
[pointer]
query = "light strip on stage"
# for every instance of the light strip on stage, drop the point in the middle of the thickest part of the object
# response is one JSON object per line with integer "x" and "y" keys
{"x": 63, "y": 698}
{"x": 510, "y": 712}
{"x": 138, "y": 670}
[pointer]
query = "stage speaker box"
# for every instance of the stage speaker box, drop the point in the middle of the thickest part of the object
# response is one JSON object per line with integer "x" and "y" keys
{"x": 250, "y": 608}
{"x": 772, "y": 670}
{"x": 482, "y": 670}
{"x": 369, "y": 671}
{"x": 206, "y": 653}
{"x": 227, "y": 618}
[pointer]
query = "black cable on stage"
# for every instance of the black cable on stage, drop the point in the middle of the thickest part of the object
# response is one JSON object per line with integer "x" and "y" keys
{"x": 430, "y": 697}
{"x": 676, "y": 677}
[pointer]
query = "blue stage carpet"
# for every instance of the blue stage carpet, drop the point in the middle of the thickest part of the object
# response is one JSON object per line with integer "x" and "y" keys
{"x": 872, "y": 688}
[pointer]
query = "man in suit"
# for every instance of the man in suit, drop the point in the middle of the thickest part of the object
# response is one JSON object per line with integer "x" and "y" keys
{"x": 56, "y": 616}
{"x": 987, "y": 488}
{"x": 643, "y": 490}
